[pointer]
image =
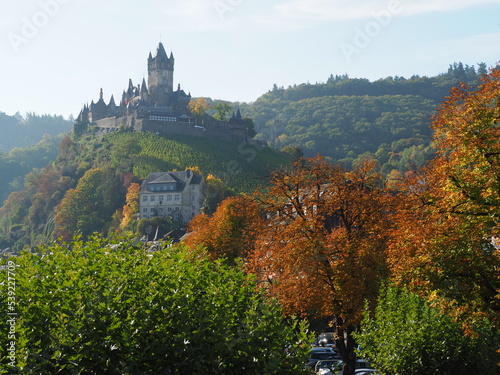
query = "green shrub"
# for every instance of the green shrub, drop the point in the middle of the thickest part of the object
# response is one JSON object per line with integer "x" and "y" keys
{"x": 99, "y": 308}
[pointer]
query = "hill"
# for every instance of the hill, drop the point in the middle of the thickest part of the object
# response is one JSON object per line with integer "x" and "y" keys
{"x": 344, "y": 117}
{"x": 24, "y": 131}
{"x": 99, "y": 168}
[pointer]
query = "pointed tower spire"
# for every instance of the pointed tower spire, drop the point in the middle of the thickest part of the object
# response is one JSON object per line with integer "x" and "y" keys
{"x": 144, "y": 88}
{"x": 238, "y": 114}
{"x": 160, "y": 52}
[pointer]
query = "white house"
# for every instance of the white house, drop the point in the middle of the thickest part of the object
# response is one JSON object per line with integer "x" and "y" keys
{"x": 175, "y": 194}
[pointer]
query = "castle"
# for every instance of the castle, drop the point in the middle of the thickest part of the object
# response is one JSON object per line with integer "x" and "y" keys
{"x": 157, "y": 107}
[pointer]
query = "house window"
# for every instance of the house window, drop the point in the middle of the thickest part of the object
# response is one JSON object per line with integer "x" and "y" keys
{"x": 144, "y": 210}
{"x": 177, "y": 197}
{"x": 169, "y": 209}
{"x": 176, "y": 217}
{"x": 177, "y": 208}
{"x": 161, "y": 199}
{"x": 169, "y": 198}
{"x": 153, "y": 198}
{"x": 144, "y": 198}
{"x": 193, "y": 198}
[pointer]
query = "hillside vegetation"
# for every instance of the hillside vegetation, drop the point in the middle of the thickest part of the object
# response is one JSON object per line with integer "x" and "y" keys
{"x": 344, "y": 117}
{"x": 99, "y": 168}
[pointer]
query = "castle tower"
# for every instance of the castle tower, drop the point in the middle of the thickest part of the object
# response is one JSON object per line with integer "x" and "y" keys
{"x": 160, "y": 74}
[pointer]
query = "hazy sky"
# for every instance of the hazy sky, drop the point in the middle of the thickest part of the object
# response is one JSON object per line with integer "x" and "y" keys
{"x": 57, "y": 54}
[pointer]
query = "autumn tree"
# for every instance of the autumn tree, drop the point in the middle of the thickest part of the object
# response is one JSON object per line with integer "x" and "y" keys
{"x": 322, "y": 250}
{"x": 444, "y": 245}
{"x": 230, "y": 233}
{"x": 131, "y": 207}
{"x": 198, "y": 107}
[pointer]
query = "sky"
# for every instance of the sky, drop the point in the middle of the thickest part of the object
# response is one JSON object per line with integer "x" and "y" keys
{"x": 56, "y": 55}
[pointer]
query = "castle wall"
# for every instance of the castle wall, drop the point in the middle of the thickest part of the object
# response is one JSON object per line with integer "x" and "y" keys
{"x": 211, "y": 129}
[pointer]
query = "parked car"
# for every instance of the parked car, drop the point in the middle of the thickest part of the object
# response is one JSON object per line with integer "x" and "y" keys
{"x": 362, "y": 367}
{"x": 319, "y": 353}
{"x": 325, "y": 365}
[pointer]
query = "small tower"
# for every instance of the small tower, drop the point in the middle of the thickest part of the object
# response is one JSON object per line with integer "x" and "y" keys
{"x": 161, "y": 71}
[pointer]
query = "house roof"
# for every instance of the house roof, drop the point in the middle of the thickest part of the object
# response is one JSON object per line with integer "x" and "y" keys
{"x": 181, "y": 178}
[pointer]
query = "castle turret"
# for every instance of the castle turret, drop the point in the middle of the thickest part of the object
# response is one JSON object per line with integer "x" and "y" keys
{"x": 160, "y": 75}
{"x": 144, "y": 91}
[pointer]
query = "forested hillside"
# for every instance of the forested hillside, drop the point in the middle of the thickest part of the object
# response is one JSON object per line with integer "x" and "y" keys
{"x": 344, "y": 117}
{"x": 19, "y": 131}
{"x": 89, "y": 180}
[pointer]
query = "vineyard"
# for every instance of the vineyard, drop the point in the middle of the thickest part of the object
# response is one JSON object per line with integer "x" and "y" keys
{"x": 241, "y": 166}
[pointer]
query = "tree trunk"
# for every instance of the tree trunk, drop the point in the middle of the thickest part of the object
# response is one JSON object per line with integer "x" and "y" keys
{"x": 345, "y": 344}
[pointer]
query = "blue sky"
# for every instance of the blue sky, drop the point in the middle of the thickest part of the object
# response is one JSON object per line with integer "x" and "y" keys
{"x": 57, "y": 54}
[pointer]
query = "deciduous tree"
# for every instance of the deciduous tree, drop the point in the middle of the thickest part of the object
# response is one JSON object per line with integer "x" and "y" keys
{"x": 231, "y": 232}
{"x": 322, "y": 252}
{"x": 444, "y": 245}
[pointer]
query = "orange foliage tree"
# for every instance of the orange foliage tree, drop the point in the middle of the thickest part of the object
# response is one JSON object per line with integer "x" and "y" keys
{"x": 445, "y": 242}
{"x": 230, "y": 233}
{"x": 131, "y": 208}
{"x": 322, "y": 249}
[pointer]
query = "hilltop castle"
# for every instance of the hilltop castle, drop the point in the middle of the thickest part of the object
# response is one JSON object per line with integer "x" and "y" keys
{"x": 157, "y": 107}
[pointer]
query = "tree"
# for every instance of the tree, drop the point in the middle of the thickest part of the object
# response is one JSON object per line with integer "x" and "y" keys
{"x": 444, "y": 244}
{"x": 322, "y": 250}
{"x": 230, "y": 233}
{"x": 131, "y": 208}
{"x": 406, "y": 335}
{"x": 116, "y": 307}
{"x": 222, "y": 111}
{"x": 89, "y": 207}
{"x": 198, "y": 107}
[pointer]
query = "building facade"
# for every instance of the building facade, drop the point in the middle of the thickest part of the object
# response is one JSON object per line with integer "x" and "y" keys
{"x": 177, "y": 194}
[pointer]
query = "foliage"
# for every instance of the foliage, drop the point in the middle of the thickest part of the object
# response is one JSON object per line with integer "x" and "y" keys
{"x": 222, "y": 111}
{"x": 131, "y": 207}
{"x": 230, "y": 233}
{"x": 117, "y": 308}
{"x": 89, "y": 207}
{"x": 445, "y": 246}
{"x": 408, "y": 336}
{"x": 198, "y": 107}
{"x": 21, "y": 132}
{"x": 322, "y": 250}
{"x": 18, "y": 162}
{"x": 346, "y": 117}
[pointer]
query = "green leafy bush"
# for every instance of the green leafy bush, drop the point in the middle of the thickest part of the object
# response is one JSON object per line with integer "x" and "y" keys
{"x": 406, "y": 336}
{"x": 99, "y": 308}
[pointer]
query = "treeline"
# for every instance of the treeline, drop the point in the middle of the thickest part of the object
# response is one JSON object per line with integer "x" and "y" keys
{"x": 344, "y": 117}
{"x": 18, "y": 131}
{"x": 84, "y": 190}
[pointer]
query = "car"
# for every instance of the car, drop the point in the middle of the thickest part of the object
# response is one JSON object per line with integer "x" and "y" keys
{"x": 325, "y": 365}
{"x": 319, "y": 353}
{"x": 362, "y": 367}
